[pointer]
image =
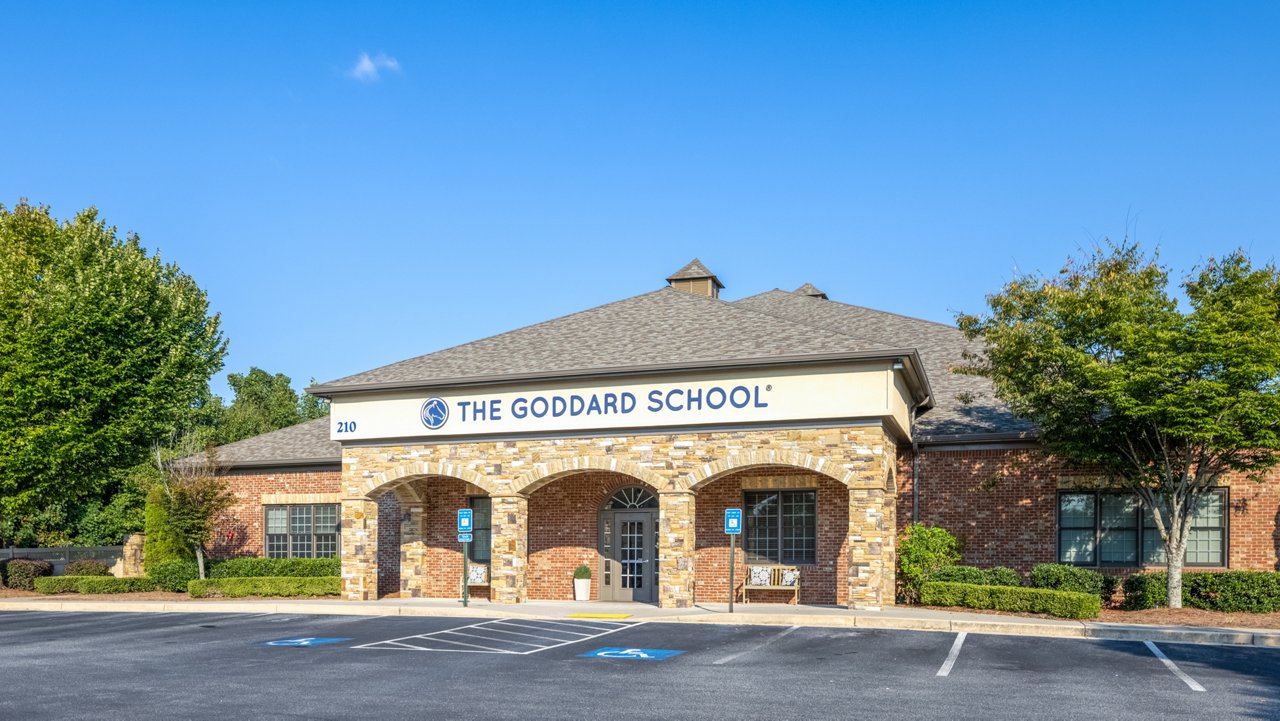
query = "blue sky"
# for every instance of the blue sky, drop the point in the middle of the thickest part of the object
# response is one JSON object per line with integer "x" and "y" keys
{"x": 355, "y": 185}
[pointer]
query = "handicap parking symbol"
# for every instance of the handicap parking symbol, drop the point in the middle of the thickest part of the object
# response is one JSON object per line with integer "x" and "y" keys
{"x": 304, "y": 642}
{"x": 631, "y": 654}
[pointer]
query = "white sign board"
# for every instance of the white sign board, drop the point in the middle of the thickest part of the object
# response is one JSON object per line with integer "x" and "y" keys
{"x": 765, "y": 396}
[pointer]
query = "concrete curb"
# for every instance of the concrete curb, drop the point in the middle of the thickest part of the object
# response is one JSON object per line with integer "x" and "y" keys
{"x": 1006, "y": 626}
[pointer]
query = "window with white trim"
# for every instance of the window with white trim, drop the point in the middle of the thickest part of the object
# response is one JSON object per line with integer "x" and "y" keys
{"x": 302, "y": 531}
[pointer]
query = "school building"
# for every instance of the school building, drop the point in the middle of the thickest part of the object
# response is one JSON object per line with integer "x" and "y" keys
{"x": 617, "y": 437}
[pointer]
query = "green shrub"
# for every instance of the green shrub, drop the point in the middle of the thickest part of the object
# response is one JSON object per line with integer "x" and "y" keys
{"x": 1227, "y": 591}
{"x": 94, "y": 584}
{"x": 923, "y": 550}
{"x": 582, "y": 573}
{"x": 173, "y": 575}
{"x": 1063, "y": 604}
{"x": 21, "y": 573}
{"x": 266, "y": 586}
{"x": 998, "y": 576}
{"x": 1144, "y": 590}
{"x": 57, "y": 584}
{"x": 1061, "y": 577}
{"x": 278, "y": 567}
{"x": 1002, "y": 576}
{"x": 87, "y": 568}
{"x": 161, "y": 544}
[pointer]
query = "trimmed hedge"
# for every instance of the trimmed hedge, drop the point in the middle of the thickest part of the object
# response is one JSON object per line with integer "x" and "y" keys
{"x": 998, "y": 576}
{"x": 266, "y": 586}
{"x": 923, "y": 550}
{"x": 276, "y": 567}
{"x": 1063, "y": 604}
{"x": 1228, "y": 591}
{"x": 1061, "y": 577}
{"x": 87, "y": 568}
{"x": 21, "y": 573}
{"x": 174, "y": 575}
{"x": 94, "y": 584}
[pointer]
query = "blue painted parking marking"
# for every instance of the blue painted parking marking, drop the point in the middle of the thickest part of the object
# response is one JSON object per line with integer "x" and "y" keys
{"x": 631, "y": 654}
{"x": 305, "y": 641}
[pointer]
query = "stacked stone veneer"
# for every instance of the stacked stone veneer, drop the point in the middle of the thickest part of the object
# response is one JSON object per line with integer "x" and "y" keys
{"x": 675, "y": 466}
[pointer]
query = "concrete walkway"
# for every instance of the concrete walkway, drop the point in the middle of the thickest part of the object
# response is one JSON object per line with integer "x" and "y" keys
{"x": 903, "y": 618}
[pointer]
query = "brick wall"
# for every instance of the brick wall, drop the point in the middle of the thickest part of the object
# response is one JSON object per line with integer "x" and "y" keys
{"x": 388, "y": 544}
{"x": 1003, "y": 505}
{"x": 563, "y": 525}
{"x": 823, "y": 582}
{"x": 241, "y": 533}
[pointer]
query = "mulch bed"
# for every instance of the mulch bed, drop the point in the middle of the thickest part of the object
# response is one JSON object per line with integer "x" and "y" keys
{"x": 1155, "y": 617}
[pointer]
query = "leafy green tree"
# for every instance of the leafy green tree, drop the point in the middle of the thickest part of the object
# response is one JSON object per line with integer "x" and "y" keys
{"x": 192, "y": 502}
{"x": 264, "y": 402}
{"x": 102, "y": 349}
{"x": 1166, "y": 399}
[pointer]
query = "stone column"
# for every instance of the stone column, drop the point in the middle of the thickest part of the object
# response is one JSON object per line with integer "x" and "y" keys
{"x": 675, "y": 548}
{"x": 412, "y": 548}
{"x": 509, "y": 559}
{"x": 131, "y": 562}
{"x": 867, "y": 549}
{"x": 359, "y": 549}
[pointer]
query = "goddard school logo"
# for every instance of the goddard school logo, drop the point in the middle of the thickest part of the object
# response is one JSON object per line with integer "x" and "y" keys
{"x": 435, "y": 413}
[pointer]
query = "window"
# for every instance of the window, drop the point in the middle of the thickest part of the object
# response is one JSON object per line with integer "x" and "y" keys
{"x": 302, "y": 531}
{"x": 1116, "y": 529}
{"x": 482, "y": 528}
{"x": 781, "y": 526}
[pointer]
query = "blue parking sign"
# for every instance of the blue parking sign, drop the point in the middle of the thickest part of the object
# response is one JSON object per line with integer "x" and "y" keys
{"x": 464, "y": 520}
{"x": 733, "y": 521}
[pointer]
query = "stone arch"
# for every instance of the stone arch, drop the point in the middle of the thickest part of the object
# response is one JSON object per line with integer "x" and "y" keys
{"x": 400, "y": 478}
{"x": 544, "y": 473}
{"x": 709, "y": 472}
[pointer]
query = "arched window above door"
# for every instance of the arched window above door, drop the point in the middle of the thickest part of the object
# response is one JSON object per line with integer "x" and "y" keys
{"x": 631, "y": 497}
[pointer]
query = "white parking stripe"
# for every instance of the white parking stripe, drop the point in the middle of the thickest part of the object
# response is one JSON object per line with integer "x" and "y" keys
{"x": 502, "y": 643}
{"x": 955, "y": 653}
{"x": 757, "y": 647}
{"x": 1195, "y": 685}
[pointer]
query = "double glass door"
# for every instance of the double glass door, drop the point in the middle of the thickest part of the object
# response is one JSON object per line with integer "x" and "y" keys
{"x": 628, "y": 564}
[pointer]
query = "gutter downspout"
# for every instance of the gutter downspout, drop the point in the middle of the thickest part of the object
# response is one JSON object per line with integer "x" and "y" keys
{"x": 915, "y": 467}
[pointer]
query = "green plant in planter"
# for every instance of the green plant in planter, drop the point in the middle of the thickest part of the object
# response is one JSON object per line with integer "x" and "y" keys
{"x": 582, "y": 572}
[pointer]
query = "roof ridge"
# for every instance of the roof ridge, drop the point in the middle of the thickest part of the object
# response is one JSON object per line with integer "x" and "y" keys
{"x": 789, "y": 319}
{"x": 859, "y": 307}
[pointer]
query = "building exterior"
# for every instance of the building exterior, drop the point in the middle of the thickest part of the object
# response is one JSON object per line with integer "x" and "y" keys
{"x": 617, "y": 437}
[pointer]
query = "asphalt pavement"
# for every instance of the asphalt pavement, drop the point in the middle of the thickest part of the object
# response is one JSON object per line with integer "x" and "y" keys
{"x": 280, "y": 666}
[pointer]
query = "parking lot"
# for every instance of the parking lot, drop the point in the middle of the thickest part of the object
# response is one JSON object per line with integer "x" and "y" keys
{"x": 207, "y": 666}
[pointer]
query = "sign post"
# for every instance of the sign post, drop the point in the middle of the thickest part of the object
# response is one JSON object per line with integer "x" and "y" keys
{"x": 464, "y": 535}
{"x": 733, "y": 527}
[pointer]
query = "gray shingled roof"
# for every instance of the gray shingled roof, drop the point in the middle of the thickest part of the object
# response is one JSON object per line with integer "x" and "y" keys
{"x": 694, "y": 270}
{"x": 810, "y": 289}
{"x": 666, "y": 328}
{"x": 941, "y": 348}
{"x": 304, "y": 444}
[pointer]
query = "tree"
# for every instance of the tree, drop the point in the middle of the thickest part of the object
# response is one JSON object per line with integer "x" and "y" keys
{"x": 193, "y": 501}
{"x": 102, "y": 349}
{"x": 1118, "y": 375}
{"x": 263, "y": 403}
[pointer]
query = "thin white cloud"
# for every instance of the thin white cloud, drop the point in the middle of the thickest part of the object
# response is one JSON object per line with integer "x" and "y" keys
{"x": 369, "y": 69}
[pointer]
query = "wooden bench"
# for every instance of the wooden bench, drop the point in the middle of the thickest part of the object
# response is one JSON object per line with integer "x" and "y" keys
{"x": 772, "y": 578}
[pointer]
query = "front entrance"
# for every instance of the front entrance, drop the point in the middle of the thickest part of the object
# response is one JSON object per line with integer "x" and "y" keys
{"x": 628, "y": 541}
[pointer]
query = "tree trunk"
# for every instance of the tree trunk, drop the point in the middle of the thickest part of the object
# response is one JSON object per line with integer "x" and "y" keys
{"x": 1174, "y": 598}
{"x": 200, "y": 560}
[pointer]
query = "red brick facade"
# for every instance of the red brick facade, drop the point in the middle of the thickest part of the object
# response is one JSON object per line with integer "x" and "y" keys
{"x": 241, "y": 533}
{"x": 823, "y": 582}
{"x": 1002, "y": 504}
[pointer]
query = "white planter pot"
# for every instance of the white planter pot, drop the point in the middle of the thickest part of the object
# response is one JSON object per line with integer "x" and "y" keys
{"x": 582, "y": 589}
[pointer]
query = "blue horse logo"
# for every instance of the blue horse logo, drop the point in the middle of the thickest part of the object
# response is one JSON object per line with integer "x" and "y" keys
{"x": 434, "y": 413}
